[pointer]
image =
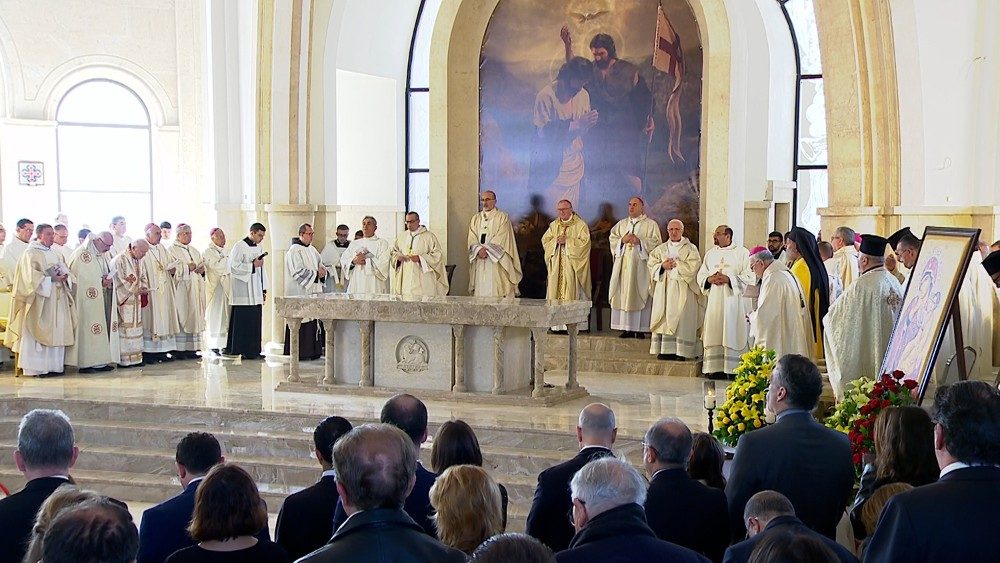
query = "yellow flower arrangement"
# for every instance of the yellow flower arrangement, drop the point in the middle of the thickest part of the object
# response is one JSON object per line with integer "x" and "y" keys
{"x": 743, "y": 410}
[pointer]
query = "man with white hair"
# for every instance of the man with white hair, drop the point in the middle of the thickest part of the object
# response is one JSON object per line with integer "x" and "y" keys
{"x": 189, "y": 280}
{"x": 781, "y": 318}
{"x": 607, "y": 496}
{"x": 596, "y": 432}
{"x": 96, "y": 346}
{"x": 131, "y": 290}
{"x": 632, "y": 239}
{"x": 45, "y": 453}
{"x": 677, "y": 310}
{"x": 845, "y": 256}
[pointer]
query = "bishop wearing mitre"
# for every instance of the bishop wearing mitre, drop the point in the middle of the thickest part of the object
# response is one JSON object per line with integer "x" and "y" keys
{"x": 676, "y": 310}
{"x": 632, "y": 239}
{"x": 417, "y": 262}
{"x": 365, "y": 263}
{"x": 42, "y": 316}
{"x": 495, "y": 268}
{"x": 567, "y": 257}
{"x": 160, "y": 324}
{"x": 218, "y": 291}
{"x": 131, "y": 293}
{"x": 189, "y": 294}
{"x": 96, "y": 346}
{"x": 304, "y": 275}
{"x": 723, "y": 277}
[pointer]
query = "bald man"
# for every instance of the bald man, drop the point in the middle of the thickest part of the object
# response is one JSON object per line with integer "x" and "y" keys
{"x": 632, "y": 239}
{"x": 676, "y": 301}
{"x": 567, "y": 258}
{"x": 96, "y": 346}
{"x": 131, "y": 290}
{"x": 494, "y": 266}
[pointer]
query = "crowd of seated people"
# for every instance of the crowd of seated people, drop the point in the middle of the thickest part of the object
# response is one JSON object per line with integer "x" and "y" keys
{"x": 930, "y": 493}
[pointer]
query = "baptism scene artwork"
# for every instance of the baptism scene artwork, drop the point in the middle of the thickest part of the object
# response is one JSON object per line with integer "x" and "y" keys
{"x": 593, "y": 101}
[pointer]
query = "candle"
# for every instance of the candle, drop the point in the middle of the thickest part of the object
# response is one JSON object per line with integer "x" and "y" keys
{"x": 710, "y": 402}
{"x": 709, "y": 387}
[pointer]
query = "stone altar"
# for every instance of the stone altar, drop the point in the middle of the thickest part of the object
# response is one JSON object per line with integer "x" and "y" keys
{"x": 476, "y": 348}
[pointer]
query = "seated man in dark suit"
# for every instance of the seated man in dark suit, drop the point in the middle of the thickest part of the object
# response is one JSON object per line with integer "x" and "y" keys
{"x": 607, "y": 496}
{"x": 798, "y": 457}
{"x": 163, "y": 529}
{"x": 376, "y": 470}
{"x": 768, "y": 513}
{"x": 596, "y": 432}
{"x": 409, "y": 414}
{"x": 958, "y": 517}
{"x": 305, "y": 521}
{"x": 679, "y": 509}
{"x": 45, "y": 452}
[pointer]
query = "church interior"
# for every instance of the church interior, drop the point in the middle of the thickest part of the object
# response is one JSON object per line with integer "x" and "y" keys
{"x": 755, "y": 118}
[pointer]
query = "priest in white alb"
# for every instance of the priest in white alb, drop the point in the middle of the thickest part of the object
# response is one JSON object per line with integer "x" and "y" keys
{"x": 781, "y": 321}
{"x": 723, "y": 277}
{"x": 118, "y": 229}
{"x": 494, "y": 266}
{"x": 97, "y": 346}
{"x": 131, "y": 295}
{"x": 417, "y": 262}
{"x": 14, "y": 249}
{"x": 249, "y": 282}
{"x": 567, "y": 258}
{"x": 845, "y": 256}
{"x": 218, "y": 291}
{"x": 365, "y": 263}
{"x": 332, "y": 252}
{"x": 859, "y": 324}
{"x": 677, "y": 309}
{"x": 190, "y": 296}
{"x": 160, "y": 323}
{"x": 43, "y": 316}
{"x": 305, "y": 275}
{"x": 632, "y": 239}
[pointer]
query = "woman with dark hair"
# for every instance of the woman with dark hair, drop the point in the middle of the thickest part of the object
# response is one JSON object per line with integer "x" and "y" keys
{"x": 792, "y": 547}
{"x": 808, "y": 268}
{"x": 705, "y": 462}
{"x": 228, "y": 511}
{"x": 456, "y": 444}
{"x": 904, "y": 453}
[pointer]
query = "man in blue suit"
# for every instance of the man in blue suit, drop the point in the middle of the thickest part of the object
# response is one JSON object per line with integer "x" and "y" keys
{"x": 409, "y": 414}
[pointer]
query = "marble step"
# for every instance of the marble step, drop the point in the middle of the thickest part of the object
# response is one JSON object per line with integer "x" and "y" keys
{"x": 625, "y": 362}
{"x": 603, "y": 342}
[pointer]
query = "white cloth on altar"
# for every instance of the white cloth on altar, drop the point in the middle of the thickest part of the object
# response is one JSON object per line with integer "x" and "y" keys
{"x": 628, "y": 291}
{"x": 372, "y": 277}
{"x": 725, "y": 332}
{"x": 781, "y": 321}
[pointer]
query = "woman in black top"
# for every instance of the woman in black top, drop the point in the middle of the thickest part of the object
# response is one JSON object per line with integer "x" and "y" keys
{"x": 228, "y": 511}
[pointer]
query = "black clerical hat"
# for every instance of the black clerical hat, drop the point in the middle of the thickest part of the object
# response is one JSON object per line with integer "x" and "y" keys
{"x": 894, "y": 238}
{"x": 873, "y": 245}
{"x": 992, "y": 263}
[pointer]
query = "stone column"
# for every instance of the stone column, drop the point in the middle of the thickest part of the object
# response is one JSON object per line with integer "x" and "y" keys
{"x": 329, "y": 325}
{"x": 498, "y": 386}
{"x": 293, "y": 350}
{"x": 538, "y": 347}
{"x": 367, "y": 373}
{"x": 572, "y": 329}
{"x": 458, "y": 333}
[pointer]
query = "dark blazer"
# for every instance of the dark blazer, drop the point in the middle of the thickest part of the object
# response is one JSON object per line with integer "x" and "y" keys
{"x": 683, "y": 511}
{"x": 740, "y": 552}
{"x": 17, "y": 516}
{"x": 163, "y": 529}
{"x": 955, "y": 519}
{"x": 547, "y": 519}
{"x": 305, "y": 521}
{"x": 383, "y": 535}
{"x": 621, "y": 535}
{"x": 801, "y": 459}
{"x": 418, "y": 504}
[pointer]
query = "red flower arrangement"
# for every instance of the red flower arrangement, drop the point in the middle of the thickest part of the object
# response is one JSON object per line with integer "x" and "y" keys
{"x": 891, "y": 390}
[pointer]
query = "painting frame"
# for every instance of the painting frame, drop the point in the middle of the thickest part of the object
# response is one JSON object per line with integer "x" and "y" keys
{"x": 931, "y": 295}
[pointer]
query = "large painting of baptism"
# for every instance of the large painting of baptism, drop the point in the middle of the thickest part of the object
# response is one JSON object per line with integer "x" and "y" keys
{"x": 594, "y": 101}
{"x": 931, "y": 294}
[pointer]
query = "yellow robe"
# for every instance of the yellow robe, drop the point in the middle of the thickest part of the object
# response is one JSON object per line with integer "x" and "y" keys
{"x": 569, "y": 264}
{"x": 498, "y": 274}
{"x": 49, "y": 319}
{"x": 424, "y": 278}
{"x": 800, "y": 270}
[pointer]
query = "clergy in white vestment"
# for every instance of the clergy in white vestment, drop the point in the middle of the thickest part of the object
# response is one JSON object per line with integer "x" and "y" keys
{"x": 365, "y": 263}
{"x": 249, "y": 283}
{"x": 859, "y": 324}
{"x": 118, "y": 229}
{"x": 631, "y": 240}
{"x": 218, "y": 291}
{"x": 676, "y": 301}
{"x": 189, "y": 293}
{"x": 160, "y": 323}
{"x": 724, "y": 275}
{"x": 975, "y": 303}
{"x": 42, "y": 316}
{"x": 781, "y": 319}
{"x": 331, "y": 255}
{"x": 494, "y": 266}
{"x": 832, "y": 269}
{"x": 13, "y": 250}
{"x": 131, "y": 295}
{"x": 845, "y": 256}
{"x": 97, "y": 346}
{"x": 305, "y": 275}
{"x": 61, "y": 242}
{"x": 567, "y": 258}
{"x": 417, "y": 262}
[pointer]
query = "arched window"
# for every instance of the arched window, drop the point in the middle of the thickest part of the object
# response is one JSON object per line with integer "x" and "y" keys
{"x": 104, "y": 155}
{"x": 418, "y": 96}
{"x": 810, "y": 156}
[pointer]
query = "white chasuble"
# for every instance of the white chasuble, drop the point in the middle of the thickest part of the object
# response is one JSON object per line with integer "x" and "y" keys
{"x": 426, "y": 276}
{"x": 190, "y": 296}
{"x": 781, "y": 321}
{"x": 331, "y": 255}
{"x": 725, "y": 331}
{"x": 96, "y": 334}
{"x": 498, "y": 274}
{"x": 677, "y": 308}
{"x": 371, "y": 275}
{"x": 159, "y": 319}
{"x": 218, "y": 292}
{"x": 845, "y": 262}
{"x": 628, "y": 291}
{"x": 130, "y": 280}
{"x": 248, "y": 281}
{"x": 568, "y": 264}
{"x": 12, "y": 252}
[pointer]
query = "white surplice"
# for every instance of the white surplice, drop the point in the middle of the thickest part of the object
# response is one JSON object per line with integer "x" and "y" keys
{"x": 248, "y": 281}
{"x": 372, "y": 277}
{"x": 725, "y": 334}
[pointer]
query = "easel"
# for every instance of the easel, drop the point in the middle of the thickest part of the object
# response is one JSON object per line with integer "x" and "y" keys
{"x": 956, "y": 327}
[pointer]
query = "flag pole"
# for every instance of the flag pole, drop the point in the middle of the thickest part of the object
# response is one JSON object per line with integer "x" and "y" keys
{"x": 652, "y": 105}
